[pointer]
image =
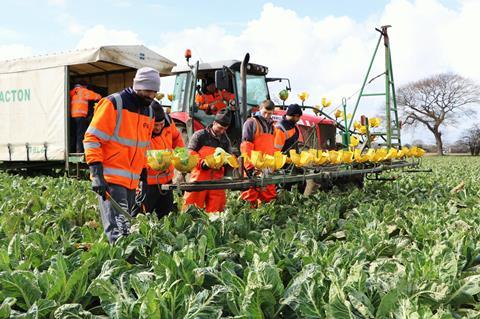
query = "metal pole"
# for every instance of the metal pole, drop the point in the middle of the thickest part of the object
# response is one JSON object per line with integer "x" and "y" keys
{"x": 364, "y": 82}
{"x": 387, "y": 86}
{"x": 346, "y": 135}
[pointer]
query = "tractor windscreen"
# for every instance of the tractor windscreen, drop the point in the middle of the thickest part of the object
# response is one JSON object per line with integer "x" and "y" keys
{"x": 257, "y": 90}
{"x": 179, "y": 93}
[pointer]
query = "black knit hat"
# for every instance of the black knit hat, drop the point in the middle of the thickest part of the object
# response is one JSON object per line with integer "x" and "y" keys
{"x": 158, "y": 112}
{"x": 224, "y": 117}
{"x": 294, "y": 109}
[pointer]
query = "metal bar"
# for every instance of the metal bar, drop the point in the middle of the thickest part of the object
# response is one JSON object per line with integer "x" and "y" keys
{"x": 346, "y": 136}
{"x": 373, "y": 94}
{"x": 387, "y": 87}
{"x": 394, "y": 97}
{"x": 66, "y": 114}
{"x": 242, "y": 184}
{"x": 364, "y": 82}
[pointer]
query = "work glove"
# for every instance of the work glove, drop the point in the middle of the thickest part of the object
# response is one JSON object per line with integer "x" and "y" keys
{"x": 99, "y": 185}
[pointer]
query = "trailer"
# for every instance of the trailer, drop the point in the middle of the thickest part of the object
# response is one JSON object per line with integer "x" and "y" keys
{"x": 35, "y": 99}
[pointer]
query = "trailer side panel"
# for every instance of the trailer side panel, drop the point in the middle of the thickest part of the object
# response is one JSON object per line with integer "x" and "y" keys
{"x": 32, "y": 111}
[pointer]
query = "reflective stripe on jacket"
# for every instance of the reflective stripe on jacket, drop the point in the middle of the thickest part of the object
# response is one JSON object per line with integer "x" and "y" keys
{"x": 118, "y": 137}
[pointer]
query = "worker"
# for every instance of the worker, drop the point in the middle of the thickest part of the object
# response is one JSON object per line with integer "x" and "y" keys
{"x": 286, "y": 138}
{"x": 79, "y": 97}
{"x": 257, "y": 134}
{"x": 203, "y": 143}
{"x": 213, "y": 100}
{"x": 286, "y": 131}
{"x": 165, "y": 136}
{"x": 115, "y": 145}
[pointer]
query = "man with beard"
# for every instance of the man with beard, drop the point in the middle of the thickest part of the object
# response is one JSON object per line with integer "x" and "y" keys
{"x": 115, "y": 145}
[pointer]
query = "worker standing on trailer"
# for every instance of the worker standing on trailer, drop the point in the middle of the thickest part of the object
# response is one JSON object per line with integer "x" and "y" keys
{"x": 213, "y": 100}
{"x": 115, "y": 145}
{"x": 258, "y": 135}
{"x": 165, "y": 136}
{"x": 286, "y": 131}
{"x": 203, "y": 143}
{"x": 79, "y": 97}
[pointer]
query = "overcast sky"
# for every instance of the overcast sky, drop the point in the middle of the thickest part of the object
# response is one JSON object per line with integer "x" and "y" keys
{"x": 324, "y": 47}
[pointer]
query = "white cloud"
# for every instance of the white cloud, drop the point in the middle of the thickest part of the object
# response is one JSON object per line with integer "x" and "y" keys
{"x": 71, "y": 24}
{"x": 14, "y": 51}
{"x": 8, "y": 34}
{"x": 100, "y": 35}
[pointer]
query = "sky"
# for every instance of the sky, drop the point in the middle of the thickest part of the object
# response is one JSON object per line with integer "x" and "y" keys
{"x": 323, "y": 47}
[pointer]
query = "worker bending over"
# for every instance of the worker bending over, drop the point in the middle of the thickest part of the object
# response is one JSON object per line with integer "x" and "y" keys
{"x": 203, "y": 143}
{"x": 258, "y": 135}
{"x": 165, "y": 136}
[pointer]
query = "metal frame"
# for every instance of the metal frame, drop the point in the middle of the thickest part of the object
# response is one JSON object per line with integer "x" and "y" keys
{"x": 324, "y": 174}
{"x": 392, "y": 125}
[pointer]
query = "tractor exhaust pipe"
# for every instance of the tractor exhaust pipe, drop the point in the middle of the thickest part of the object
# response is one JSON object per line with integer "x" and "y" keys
{"x": 243, "y": 78}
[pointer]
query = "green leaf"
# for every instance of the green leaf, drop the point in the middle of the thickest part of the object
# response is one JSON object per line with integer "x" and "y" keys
{"x": 464, "y": 294}
{"x": 72, "y": 311}
{"x": 21, "y": 285}
{"x": 205, "y": 304}
{"x": 6, "y": 307}
{"x": 387, "y": 304}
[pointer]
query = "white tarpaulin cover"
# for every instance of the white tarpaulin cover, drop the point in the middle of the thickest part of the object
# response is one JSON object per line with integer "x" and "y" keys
{"x": 116, "y": 58}
{"x": 32, "y": 111}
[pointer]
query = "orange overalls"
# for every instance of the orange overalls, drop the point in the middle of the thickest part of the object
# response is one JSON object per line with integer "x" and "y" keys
{"x": 263, "y": 142}
{"x": 210, "y": 200}
{"x": 212, "y": 103}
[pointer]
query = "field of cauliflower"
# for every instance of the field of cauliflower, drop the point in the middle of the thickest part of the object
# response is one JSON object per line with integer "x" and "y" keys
{"x": 403, "y": 249}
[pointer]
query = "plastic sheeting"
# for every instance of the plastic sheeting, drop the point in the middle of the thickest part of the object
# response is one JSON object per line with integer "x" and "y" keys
{"x": 32, "y": 113}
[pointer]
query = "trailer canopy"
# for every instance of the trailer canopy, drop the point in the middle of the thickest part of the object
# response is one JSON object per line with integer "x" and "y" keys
{"x": 94, "y": 60}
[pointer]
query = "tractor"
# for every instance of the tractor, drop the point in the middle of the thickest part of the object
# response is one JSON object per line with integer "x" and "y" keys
{"x": 249, "y": 84}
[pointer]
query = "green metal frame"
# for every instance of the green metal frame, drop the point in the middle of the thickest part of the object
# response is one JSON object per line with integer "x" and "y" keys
{"x": 392, "y": 124}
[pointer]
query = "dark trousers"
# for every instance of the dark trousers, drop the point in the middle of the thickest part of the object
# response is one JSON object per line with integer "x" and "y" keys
{"x": 81, "y": 125}
{"x": 115, "y": 224}
{"x": 158, "y": 201}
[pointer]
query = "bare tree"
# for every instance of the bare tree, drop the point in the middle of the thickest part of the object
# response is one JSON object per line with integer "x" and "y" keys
{"x": 471, "y": 139}
{"x": 437, "y": 101}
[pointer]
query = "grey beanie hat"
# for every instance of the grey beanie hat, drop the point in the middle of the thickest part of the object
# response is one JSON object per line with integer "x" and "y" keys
{"x": 147, "y": 79}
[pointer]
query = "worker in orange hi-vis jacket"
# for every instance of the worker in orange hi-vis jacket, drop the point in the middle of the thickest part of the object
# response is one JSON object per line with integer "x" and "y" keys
{"x": 165, "y": 136}
{"x": 79, "y": 97}
{"x": 286, "y": 131}
{"x": 204, "y": 142}
{"x": 213, "y": 100}
{"x": 257, "y": 135}
{"x": 115, "y": 148}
